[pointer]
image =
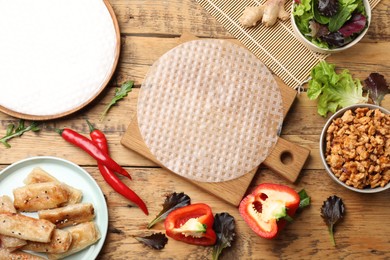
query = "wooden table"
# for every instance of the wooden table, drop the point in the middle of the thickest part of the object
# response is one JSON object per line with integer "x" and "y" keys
{"x": 149, "y": 28}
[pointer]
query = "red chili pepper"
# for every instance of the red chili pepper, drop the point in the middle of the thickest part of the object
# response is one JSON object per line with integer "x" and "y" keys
{"x": 192, "y": 224}
{"x": 92, "y": 149}
{"x": 109, "y": 176}
{"x": 268, "y": 207}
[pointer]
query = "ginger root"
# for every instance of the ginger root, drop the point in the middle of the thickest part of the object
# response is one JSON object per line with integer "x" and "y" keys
{"x": 267, "y": 13}
{"x": 251, "y": 15}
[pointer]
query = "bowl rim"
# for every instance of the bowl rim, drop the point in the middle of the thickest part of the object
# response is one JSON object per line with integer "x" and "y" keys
{"x": 318, "y": 49}
{"x": 339, "y": 113}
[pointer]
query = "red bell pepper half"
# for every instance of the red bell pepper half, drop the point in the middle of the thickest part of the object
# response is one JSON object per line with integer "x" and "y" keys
{"x": 268, "y": 207}
{"x": 192, "y": 224}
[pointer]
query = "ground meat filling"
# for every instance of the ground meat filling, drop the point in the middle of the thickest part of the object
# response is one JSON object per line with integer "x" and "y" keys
{"x": 358, "y": 148}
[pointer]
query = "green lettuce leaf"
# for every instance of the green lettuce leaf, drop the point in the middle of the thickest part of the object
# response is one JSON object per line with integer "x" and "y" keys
{"x": 302, "y": 7}
{"x": 343, "y": 15}
{"x": 317, "y": 16}
{"x": 360, "y": 8}
{"x": 334, "y": 90}
{"x": 302, "y": 15}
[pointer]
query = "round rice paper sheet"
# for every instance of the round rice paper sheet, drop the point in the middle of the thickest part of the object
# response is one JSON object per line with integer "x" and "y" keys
{"x": 209, "y": 110}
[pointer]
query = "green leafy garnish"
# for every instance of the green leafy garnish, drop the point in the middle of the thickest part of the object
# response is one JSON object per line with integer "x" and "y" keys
{"x": 316, "y": 14}
{"x": 172, "y": 202}
{"x": 120, "y": 93}
{"x": 156, "y": 241}
{"x": 334, "y": 90}
{"x": 304, "y": 199}
{"x": 332, "y": 211}
{"x": 302, "y": 15}
{"x": 13, "y": 131}
{"x": 224, "y": 227}
{"x": 288, "y": 218}
{"x": 327, "y": 23}
{"x": 343, "y": 15}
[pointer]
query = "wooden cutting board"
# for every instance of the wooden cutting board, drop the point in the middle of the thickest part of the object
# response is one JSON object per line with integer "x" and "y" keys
{"x": 286, "y": 158}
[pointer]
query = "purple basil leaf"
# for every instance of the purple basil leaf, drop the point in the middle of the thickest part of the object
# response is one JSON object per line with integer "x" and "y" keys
{"x": 224, "y": 227}
{"x": 156, "y": 241}
{"x": 355, "y": 25}
{"x": 377, "y": 87}
{"x": 317, "y": 29}
{"x": 328, "y": 8}
{"x": 335, "y": 39}
{"x": 172, "y": 202}
{"x": 332, "y": 211}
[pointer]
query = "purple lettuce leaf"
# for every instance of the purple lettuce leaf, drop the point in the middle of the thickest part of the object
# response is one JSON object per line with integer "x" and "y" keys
{"x": 328, "y": 8}
{"x": 317, "y": 30}
{"x": 335, "y": 39}
{"x": 377, "y": 87}
{"x": 355, "y": 25}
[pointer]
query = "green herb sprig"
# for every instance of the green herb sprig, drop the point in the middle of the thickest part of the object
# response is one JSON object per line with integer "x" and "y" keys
{"x": 120, "y": 93}
{"x": 19, "y": 130}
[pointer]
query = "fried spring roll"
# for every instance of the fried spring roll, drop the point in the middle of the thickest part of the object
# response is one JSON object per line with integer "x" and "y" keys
{"x": 83, "y": 235}
{"x": 6, "y": 205}
{"x": 38, "y": 196}
{"x": 38, "y": 175}
{"x": 10, "y": 243}
{"x": 69, "y": 215}
{"x": 18, "y": 255}
{"x": 60, "y": 243}
{"x": 24, "y": 227}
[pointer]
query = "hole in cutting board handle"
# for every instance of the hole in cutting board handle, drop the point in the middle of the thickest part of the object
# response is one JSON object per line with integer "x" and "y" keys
{"x": 286, "y": 157}
{"x": 278, "y": 162}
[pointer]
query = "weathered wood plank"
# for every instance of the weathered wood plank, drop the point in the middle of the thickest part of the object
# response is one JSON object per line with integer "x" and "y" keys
{"x": 166, "y": 18}
{"x": 379, "y": 29}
